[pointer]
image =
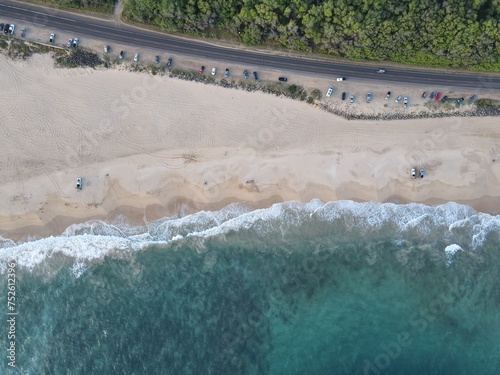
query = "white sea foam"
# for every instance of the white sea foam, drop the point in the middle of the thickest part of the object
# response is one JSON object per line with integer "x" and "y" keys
{"x": 450, "y": 252}
{"x": 96, "y": 239}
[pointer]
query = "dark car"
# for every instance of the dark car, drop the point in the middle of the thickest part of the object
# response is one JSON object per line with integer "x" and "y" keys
{"x": 255, "y": 76}
{"x": 122, "y": 54}
{"x": 283, "y": 79}
{"x": 1, "y": 26}
{"x": 169, "y": 61}
{"x": 433, "y": 95}
{"x": 444, "y": 98}
{"x": 6, "y": 29}
{"x": 226, "y": 73}
{"x": 245, "y": 73}
{"x": 23, "y": 33}
{"x": 460, "y": 100}
{"x": 157, "y": 59}
{"x": 424, "y": 95}
{"x": 473, "y": 97}
{"x": 438, "y": 95}
{"x": 202, "y": 69}
{"x": 344, "y": 95}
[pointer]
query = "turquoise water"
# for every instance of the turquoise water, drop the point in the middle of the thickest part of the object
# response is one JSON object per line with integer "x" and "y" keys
{"x": 336, "y": 288}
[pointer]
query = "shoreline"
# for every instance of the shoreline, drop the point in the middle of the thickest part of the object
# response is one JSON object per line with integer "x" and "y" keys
{"x": 154, "y": 146}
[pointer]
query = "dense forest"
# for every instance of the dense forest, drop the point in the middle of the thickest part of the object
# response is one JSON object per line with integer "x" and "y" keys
{"x": 457, "y": 33}
{"x": 102, "y": 6}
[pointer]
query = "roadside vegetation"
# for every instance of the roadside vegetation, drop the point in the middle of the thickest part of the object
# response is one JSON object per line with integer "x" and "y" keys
{"x": 21, "y": 49}
{"x": 101, "y": 6}
{"x": 452, "y": 33}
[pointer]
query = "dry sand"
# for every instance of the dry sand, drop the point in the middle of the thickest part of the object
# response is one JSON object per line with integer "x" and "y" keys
{"x": 148, "y": 147}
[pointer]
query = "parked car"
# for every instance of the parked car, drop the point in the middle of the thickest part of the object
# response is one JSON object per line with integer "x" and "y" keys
{"x": 473, "y": 97}
{"x": 433, "y": 95}
{"x": 122, "y": 53}
{"x": 11, "y": 29}
{"x": 438, "y": 95}
{"x": 157, "y": 59}
{"x": 245, "y": 73}
{"x": 169, "y": 61}
{"x": 52, "y": 37}
{"x": 106, "y": 48}
{"x": 460, "y": 100}
{"x": 329, "y": 92}
{"x": 1, "y": 26}
{"x": 79, "y": 183}
{"x": 282, "y": 79}
{"x": 422, "y": 172}
{"x": 75, "y": 42}
{"x": 351, "y": 100}
{"x": 445, "y": 98}
{"x": 381, "y": 71}
{"x": 255, "y": 76}
{"x": 424, "y": 95}
{"x": 405, "y": 102}
{"x": 344, "y": 95}
{"x": 136, "y": 57}
{"x": 23, "y": 32}
{"x": 202, "y": 69}
{"x": 70, "y": 42}
{"x": 6, "y": 30}
{"x": 398, "y": 99}
{"x": 413, "y": 172}
{"x": 340, "y": 79}
{"x": 226, "y": 74}
{"x": 214, "y": 70}
{"x": 388, "y": 95}
{"x": 369, "y": 97}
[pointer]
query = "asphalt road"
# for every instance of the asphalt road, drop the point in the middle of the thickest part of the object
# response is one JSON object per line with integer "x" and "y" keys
{"x": 109, "y": 32}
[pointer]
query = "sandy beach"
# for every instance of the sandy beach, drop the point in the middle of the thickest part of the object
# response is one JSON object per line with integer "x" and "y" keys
{"x": 148, "y": 147}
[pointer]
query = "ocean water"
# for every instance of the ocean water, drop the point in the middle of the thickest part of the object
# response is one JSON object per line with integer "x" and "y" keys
{"x": 317, "y": 288}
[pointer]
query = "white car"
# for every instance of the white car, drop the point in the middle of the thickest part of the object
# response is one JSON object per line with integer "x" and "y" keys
{"x": 214, "y": 70}
{"x": 136, "y": 57}
{"x": 413, "y": 172}
{"x": 106, "y": 48}
{"x": 70, "y": 41}
{"x": 52, "y": 37}
{"x": 405, "y": 102}
{"x": 329, "y": 92}
{"x": 398, "y": 99}
{"x": 341, "y": 79}
{"x": 75, "y": 42}
{"x": 12, "y": 28}
{"x": 79, "y": 183}
{"x": 381, "y": 71}
{"x": 352, "y": 99}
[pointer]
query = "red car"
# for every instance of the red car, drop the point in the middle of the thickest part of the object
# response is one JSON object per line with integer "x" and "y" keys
{"x": 202, "y": 69}
{"x": 438, "y": 95}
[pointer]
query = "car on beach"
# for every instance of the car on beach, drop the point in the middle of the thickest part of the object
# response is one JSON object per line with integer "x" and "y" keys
{"x": 157, "y": 59}
{"x": 438, "y": 95}
{"x": 106, "y": 48}
{"x": 136, "y": 57}
{"x": 422, "y": 172}
{"x": 226, "y": 74}
{"x": 122, "y": 53}
{"x": 445, "y": 98}
{"x": 245, "y": 73}
{"x": 23, "y": 32}
{"x": 340, "y": 79}
{"x": 282, "y": 79}
{"x": 214, "y": 70}
{"x": 344, "y": 95}
{"x": 405, "y": 102}
{"x": 413, "y": 172}
{"x": 202, "y": 69}
{"x": 79, "y": 183}
{"x": 11, "y": 29}
{"x": 70, "y": 42}
{"x": 169, "y": 61}
{"x": 369, "y": 97}
{"x": 6, "y": 30}
{"x": 388, "y": 95}
{"x": 398, "y": 99}
{"x": 351, "y": 100}
{"x": 1, "y": 26}
{"x": 460, "y": 100}
{"x": 433, "y": 95}
{"x": 255, "y": 76}
{"x": 75, "y": 42}
{"x": 424, "y": 95}
{"x": 52, "y": 37}
{"x": 473, "y": 97}
{"x": 329, "y": 92}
